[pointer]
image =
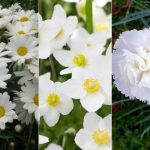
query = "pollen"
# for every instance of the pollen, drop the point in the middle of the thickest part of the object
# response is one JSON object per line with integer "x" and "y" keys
{"x": 101, "y": 26}
{"x": 91, "y": 85}
{"x": 59, "y": 34}
{"x": 21, "y": 32}
{"x": 36, "y": 99}
{"x": 22, "y": 51}
{"x": 24, "y": 19}
{"x": 53, "y": 99}
{"x": 2, "y": 111}
{"x": 80, "y": 60}
{"x": 101, "y": 137}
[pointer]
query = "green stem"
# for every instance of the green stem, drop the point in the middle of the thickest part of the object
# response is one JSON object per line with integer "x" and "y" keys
{"x": 89, "y": 16}
{"x": 30, "y": 134}
{"x": 53, "y": 71}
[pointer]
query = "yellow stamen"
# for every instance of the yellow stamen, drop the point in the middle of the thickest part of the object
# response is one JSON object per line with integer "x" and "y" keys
{"x": 36, "y": 99}
{"x": 22, "y": 51}
{"x": 80, "y": 60}
{"x": 24, "y": 19}
{"x": 2, "y": 111}
{"x": 53, "y": 99}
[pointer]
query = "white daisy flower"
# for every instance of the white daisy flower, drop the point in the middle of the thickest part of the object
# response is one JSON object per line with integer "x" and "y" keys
{"x": 19, "y": 29}
{"x": 24, "y": 75}
{"x": 131, "y": 64}
{"x": 92, "y": 90}
{"x": 7, "y": 114}
{"x": 4, "y": 21}
{"x": 52, "y": 102}
{"x": 43, "y": 139}
{"x": 23, "y": 116}
{"x": 29, "y": 96}
{"x": 33, "y": 66}
{"x": 25, "y": 16}
{"x": 14, "y": 7}
{"x": 4, "y": 53}
{"x": 54, "y": 33}
{"x": 23, "y": 48}
{"x": 96, "y": 133}
{"x": 4, "y": 75}
{"x": 53, "y": 146}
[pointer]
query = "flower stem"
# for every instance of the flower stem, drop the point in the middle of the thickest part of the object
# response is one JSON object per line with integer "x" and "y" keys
{"x": 89, "y": 16}
{"x": 53, "y": 71}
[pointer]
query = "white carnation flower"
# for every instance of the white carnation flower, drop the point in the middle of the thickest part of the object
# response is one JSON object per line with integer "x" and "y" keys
{"x": 131, "y": 64}
{"x": 96, "y": 133}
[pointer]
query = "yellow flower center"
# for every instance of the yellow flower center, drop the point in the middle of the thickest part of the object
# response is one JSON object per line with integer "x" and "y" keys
{"x": 24, "y": 19}
{"x": 53, "y": 99}
{"x": 91, "y": 85}
{"x": 101, "y": 137}
{"x": 101, "y": 26}
{"x": 22, "y": 51}
{"x": 80, "y": 60}
{"x": 36, "y": 99}
{"x": 21, "y": 32}
{"x": 2, "y": 111}
{"x": 59, "y": 34}
{"x": 83, "y": 10}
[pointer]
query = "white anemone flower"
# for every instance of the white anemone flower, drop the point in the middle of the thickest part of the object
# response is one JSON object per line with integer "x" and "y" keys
{"x": 54, "y": 33}
{"x": 101, "y": 21}
{"x": 96, "y": 133}
{"x": 85, "y": 50}
{"x": 131, "y": 64}
{"x": 4, "y": 75}
{"x": 7, "y": 114}
{"x": 22, "y": 48}
{"x": 53, "y": 146}
{"x": 4, "y": 53}
{"x": 101, "y": 3}
{"x": 92, "y": 90}
{"x": 43, "y": 139}
{"x": 52, "y": 101}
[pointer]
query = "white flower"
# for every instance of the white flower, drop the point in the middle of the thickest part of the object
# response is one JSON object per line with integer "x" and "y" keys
{"x": 52, "y": 101}
{"x": 101, "y": 3}
{"x": 7, "y": 114}
{"x": 55, "y": 31}
{"x": 33, "y": 66}
{"x": 43, "y": 139}
{"x": 4, "y": 21}
{"x": 22, "y": 48}
{"x": 19, "y": 29}
{"x": 53, "y": 146}
{"x": 29, "y": 96}
{"x": 4, "y": 53}
{"x": 25, "y": 75}
{"x": 101, "y": 21}
{"x": 84, "y": 49}
{"x": 131, "y": 64}
{"x": 15, "y": 7}
{"x": 25, "y": 16}
{"x": 96, "y": 133}
{"x": 92, "y": 90}
{"x": 3, "y": 75}
{"x": 23, "y": 114}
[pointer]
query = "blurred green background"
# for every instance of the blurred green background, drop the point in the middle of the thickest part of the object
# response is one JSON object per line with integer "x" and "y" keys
{"x": 131, "y": 119}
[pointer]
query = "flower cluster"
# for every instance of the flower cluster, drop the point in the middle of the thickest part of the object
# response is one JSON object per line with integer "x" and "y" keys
{"x": 83, "y": 55}
{"x": 131, "y": 64}
{"x": 18, "y": 64}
